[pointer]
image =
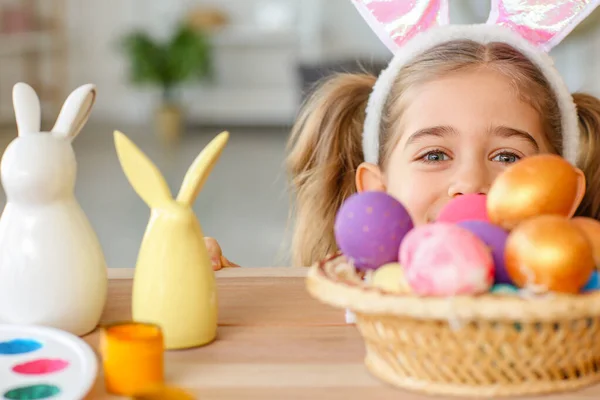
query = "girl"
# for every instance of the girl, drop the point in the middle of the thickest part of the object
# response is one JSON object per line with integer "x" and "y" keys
{"x": 456, "y": 106}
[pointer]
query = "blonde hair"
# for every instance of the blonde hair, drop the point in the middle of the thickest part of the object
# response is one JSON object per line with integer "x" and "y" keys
{"x": 326, "y": 141}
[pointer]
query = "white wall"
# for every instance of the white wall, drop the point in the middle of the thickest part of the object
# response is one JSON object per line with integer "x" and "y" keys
{"x": 347, "y": 35}
{"x": 96, "y": 25}
{"x": 261, "y": 97}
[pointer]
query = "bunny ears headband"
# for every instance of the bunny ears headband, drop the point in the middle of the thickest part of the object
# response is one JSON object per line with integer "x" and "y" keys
{"x": 533, "y": 27}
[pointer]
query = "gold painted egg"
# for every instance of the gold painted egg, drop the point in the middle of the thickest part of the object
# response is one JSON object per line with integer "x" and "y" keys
{"x": 549, "y": 253}
{"x": 390, "y": 278}
{"x": 537, "y": 185}
{"x": 591, "y": 227}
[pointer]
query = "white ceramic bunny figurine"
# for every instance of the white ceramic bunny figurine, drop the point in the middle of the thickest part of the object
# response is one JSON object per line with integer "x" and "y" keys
{"x": 52, "y": 268}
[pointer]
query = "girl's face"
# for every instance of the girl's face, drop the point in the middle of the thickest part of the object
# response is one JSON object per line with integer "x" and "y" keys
{"x": 458, "y": 133}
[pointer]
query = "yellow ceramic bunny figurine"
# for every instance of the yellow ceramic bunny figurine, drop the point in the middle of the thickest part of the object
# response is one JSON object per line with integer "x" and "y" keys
{"x": 174, "y": 283}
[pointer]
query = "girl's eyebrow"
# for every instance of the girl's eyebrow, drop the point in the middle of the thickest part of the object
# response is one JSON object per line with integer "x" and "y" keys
{"x": 445, "y": 130}
{"x": 437, "y": 131}
{"x": 508, "y": 132}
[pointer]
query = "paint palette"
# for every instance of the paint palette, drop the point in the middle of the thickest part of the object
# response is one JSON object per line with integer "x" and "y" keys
{"x": 44, "y": 363}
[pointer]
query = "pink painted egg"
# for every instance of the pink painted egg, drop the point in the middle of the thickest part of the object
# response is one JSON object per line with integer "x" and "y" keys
{"x": 467, "y": 207}
{"x": 442, "y": 259}
{"x": 369, "y": 228}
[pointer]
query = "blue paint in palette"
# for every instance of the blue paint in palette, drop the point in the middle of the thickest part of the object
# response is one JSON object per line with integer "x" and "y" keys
{"x": 19, "y": 346}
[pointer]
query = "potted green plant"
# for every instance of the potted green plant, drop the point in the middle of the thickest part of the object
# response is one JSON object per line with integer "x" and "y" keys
{"x": 185, "y": 56}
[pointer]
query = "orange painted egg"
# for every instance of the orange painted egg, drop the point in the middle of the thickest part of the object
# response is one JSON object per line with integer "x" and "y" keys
{"x": 549, "y": 253}
{"x": 537, "y": 185}
{"x": 591, "y": 228}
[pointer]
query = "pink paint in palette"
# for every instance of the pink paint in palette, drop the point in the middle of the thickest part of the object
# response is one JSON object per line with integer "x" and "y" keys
{"x": 44, "y": 363}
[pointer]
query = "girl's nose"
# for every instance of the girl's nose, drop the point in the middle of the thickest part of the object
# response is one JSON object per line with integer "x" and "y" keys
{"x": 471, "y": 180}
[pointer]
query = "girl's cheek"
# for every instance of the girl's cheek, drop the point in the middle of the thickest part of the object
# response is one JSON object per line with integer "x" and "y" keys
{"x": 419, "y": 193}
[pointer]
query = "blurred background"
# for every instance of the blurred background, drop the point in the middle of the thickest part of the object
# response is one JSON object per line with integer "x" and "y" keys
{"x": 237, "y": 65}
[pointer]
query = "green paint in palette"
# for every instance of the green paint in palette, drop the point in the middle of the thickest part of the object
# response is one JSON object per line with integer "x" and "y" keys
{"x": 32, "y": 392}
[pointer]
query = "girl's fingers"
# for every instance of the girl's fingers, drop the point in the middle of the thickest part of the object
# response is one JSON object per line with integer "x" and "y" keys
{"x": 214, "y": 252}
{"x": 216, "y": 255}
{"x": 228, "y": 264}
{"x": 216, "y": 263}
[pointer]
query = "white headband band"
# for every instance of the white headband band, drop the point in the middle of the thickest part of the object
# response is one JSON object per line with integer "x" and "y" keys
{"x": 510, "y": 22}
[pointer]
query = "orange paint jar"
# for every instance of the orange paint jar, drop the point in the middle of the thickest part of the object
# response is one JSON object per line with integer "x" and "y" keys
{"x": 132, "y": 357}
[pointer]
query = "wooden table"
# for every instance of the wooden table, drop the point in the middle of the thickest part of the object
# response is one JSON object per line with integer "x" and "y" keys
{"x": 274, "y": 342}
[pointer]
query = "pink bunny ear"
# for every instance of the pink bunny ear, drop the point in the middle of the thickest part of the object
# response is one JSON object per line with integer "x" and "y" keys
{"x": 397, "y": 21}
{"x": 544, "y": 23}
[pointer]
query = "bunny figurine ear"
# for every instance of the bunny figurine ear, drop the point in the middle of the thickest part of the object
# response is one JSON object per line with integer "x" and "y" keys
{"x": 542, "y": 23}
{"x": 397, "y": 21}
{"x": 27, "y": 109}
{"x": 75, "y": 112}
{"x": 143, "y": 175}
{"x": 201, "y": 168}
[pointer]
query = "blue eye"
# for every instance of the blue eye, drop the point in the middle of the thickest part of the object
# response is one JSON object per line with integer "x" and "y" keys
{"x": 506, "y": 158}
{"x": 435, "y": 156}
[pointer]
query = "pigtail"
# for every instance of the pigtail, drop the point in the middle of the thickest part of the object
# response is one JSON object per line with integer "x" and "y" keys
{"x": 588, "y": 110}
{"x": 325, "y": 150}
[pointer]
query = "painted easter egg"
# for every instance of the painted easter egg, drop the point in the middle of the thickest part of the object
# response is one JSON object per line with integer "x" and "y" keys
{"x": 442, "y": 259}
{"x": 495, "y": 238}
{"x": 591, "y": 228}
{"x": 549, "y": 253}
{"x": 536, "y": 185}
{"x": 468, "y": 207}
{"x": 369, "y": 228}
{"x": 593, "y": 283}
{"x": 390, "y": 278}
{"x": 503, "y": 288}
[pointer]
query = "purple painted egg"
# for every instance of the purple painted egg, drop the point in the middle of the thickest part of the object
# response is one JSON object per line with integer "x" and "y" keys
{"x": 369, "y": 228}
{"x": 495, "y": 238}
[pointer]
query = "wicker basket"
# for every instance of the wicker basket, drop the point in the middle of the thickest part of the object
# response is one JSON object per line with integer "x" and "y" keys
{"x": 487, "y": 345}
